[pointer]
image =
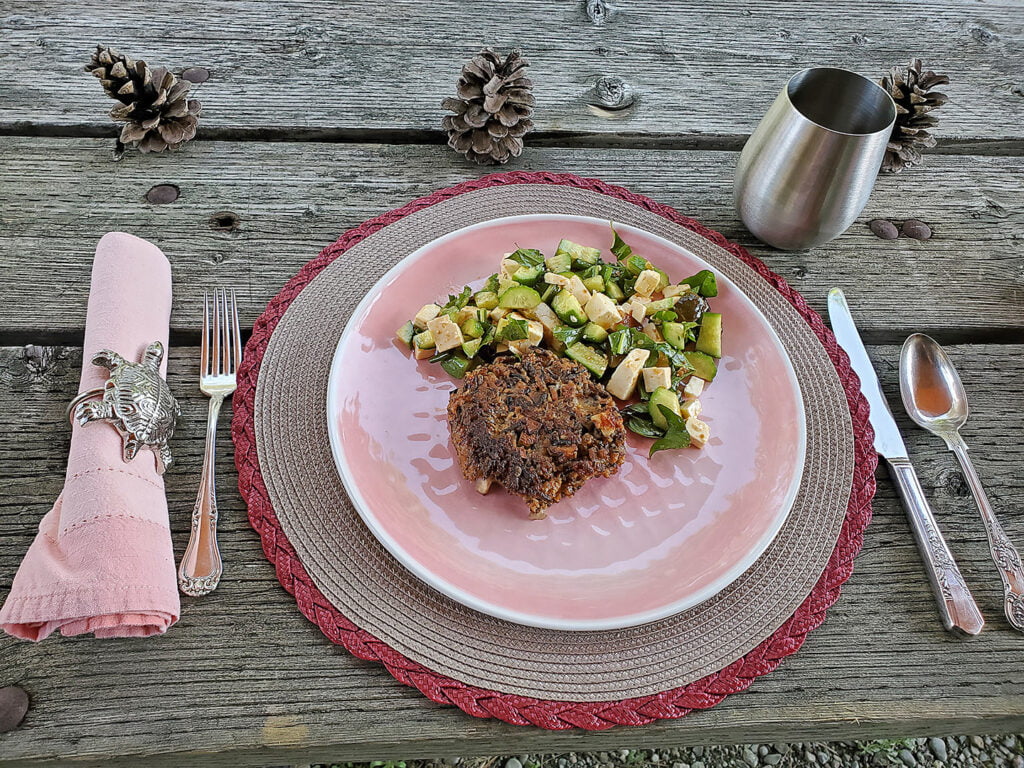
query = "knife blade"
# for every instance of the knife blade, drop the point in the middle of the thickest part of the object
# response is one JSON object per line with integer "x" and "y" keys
{"x": 957, "y": 608}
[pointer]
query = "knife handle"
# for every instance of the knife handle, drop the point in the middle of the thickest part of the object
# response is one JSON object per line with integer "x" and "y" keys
{"x": 959, "y": 612}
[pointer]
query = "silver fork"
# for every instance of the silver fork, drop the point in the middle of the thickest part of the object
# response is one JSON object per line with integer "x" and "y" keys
{"x": 201, "y": 566}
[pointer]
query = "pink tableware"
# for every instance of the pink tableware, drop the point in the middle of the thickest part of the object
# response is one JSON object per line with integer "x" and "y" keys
{"x": 663, "y": 535}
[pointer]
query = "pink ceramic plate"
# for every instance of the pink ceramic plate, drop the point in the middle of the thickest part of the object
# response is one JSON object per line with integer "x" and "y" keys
{"x": 661, "y": 536}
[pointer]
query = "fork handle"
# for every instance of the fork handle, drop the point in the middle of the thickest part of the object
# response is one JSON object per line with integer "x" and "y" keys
{"x": 1004, "y": 555}
{"x": 201, "y": 566}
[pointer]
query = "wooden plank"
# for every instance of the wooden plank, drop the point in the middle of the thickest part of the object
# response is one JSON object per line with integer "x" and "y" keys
{"x": 58, "y": 196}
{"x": 318, "y": 68}
{"x": 244, "y": 679}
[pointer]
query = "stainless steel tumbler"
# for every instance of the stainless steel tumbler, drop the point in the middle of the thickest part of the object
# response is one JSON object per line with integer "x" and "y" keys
{"x": 806, "y": 172}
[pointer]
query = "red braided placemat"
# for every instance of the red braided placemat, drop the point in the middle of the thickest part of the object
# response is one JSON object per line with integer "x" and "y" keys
{"x": 522, "y": 710}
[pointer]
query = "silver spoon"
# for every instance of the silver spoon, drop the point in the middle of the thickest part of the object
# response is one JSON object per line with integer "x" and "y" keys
{"x": 935, "y": 399}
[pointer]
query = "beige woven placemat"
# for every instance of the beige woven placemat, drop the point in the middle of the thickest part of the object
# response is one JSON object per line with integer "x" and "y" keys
{"x": 376, "y": 593}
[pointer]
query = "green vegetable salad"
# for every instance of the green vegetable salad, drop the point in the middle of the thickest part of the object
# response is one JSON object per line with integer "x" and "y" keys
{"x": 625, "y": 321}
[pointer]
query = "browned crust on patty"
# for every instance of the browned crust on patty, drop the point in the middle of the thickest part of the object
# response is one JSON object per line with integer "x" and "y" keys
{"x": 540, "y": 426}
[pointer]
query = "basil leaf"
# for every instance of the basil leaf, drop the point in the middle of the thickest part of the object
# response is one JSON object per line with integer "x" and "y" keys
{"x": 619, "y": 248}
{"x": 512, "y": 330}
{"x": 567, "y": 334}
{"x": 703, "y": 283}
{"x": 457, "y": 302}
{"x": 635, "y": 409}
{"x": 528, "y": 257}
{"x": 644, "y": 427}
{"x": 676, "y": 435}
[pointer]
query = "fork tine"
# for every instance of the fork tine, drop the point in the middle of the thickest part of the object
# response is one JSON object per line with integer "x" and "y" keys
{"x": 215, "y": 369}
{"x": 204, "y": 351}
{"x": 237, "y": 336}
{"x": 225, "y": 332}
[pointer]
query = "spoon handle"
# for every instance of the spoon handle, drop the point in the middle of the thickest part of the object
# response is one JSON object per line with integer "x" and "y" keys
{"x": 1004, "y": 555}
{"x": 957, "y": 608}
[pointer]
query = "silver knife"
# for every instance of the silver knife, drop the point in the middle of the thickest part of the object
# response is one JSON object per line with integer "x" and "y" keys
{"x": 959, "y": 612}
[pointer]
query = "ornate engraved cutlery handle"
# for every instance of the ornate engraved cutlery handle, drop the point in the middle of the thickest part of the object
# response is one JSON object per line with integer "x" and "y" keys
{"x": 201, "y": 566}
{"x": 959, "y": 612}
{"x": 1004, "y": 555}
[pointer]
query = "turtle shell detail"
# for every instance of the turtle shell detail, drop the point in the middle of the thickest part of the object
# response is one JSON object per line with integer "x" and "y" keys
{"x": 137, "y": 402}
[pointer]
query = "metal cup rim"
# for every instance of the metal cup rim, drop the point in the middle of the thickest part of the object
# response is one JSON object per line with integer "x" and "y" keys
{"x": 886, "y": 130}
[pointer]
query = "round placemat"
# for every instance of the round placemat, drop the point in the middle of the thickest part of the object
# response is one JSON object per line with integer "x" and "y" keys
{"x": 347, "y": 583}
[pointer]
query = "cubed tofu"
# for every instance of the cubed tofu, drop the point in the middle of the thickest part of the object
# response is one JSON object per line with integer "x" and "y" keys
{"x": 465, "y": 314}
{"x": 447, "y": 335}
{"x": 647, "y": 282}
{"x": 427, "y": 313}
{"x": 690, "y": 408}
{"x": 657, "y": 377}
{"x": 553, "y": 278}
{"x": 623, "y": 380}
{"x": 699, "y": 432}
{"x": 638, "y": 308}
{"x": 579, "y": 290}
{"x": 651, "y": 331}
{"x": 535, "y": 335}
{"x": 483, "y": 485}
{"x": 675, "y": 290}
{"x": 693, "y": 387}
{"x": 497, "y": 313}
{"x": 509, "y": 267}
{"x": 602, "y": 310}
{"x": 546, "y": 315}
{"x": 423, "y": 354}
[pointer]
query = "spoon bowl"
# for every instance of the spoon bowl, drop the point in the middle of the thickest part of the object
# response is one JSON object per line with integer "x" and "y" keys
{"x": 931, "y": 389}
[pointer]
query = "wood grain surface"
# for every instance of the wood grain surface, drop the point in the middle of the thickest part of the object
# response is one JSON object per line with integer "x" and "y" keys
{"x": 665, "y": 71}
{"x": 250, "y": 214}
{"x": 243, "y": 675}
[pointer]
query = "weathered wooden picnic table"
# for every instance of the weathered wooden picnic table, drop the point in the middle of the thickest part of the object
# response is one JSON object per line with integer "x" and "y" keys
{"x": 319, "y": 114}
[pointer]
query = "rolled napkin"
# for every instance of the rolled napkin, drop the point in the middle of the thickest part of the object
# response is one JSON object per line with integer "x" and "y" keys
{"x": 102, "y": 561}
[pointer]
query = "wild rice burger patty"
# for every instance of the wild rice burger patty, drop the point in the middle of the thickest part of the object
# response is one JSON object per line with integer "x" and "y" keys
{"x": 539, "y": 425}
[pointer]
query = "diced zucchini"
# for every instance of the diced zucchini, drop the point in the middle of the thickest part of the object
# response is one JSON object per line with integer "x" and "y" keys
{"x": 580, "y": 254}
{"x": 471, "y": 347}
{"x": 709, "y": 341}
{"x": 588, "y": 357}
{"x": 473, "y": 328}
{"x": 560, "y": 262}
{"x": 568, "y": 308}
{"x": 595, "y": 333}
{"x": 528, "y": 275}
{"x": 664, "y": 316}
{"x": 424, "y": 340}
{"x": 666, "y": 397}
{"x": 519, "y": 297}
{"x": 405, "y": 333}
{"x": 491, "y": 286}
{"x": 594, "y": 283}
{"x": 704, "y": 366}
{"x": 504, "y": 283}
{"x": 664, "y": 281}
{"x": 635, "y": 265}
{"x": 659, "y": 305}
{"x": 675, "y": 334}
{"x": 456, "y": 365}
{"x": 486, "y": 299}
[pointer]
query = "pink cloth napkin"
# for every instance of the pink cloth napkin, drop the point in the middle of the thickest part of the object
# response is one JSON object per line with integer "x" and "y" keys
{"x": 102, "y": 561}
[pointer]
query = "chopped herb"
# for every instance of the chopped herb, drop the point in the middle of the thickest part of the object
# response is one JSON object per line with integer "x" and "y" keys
{"x": 528, "y": 257}
{"x": 619, "y": 248}
{"x": 675, "y": 436}
{"x": 512, "y": 330}
{"x": 568, "y": 335}
{"x": 644, "y": 427}
{"x": 457, "y": 302}
{"x": 703, "y": 283}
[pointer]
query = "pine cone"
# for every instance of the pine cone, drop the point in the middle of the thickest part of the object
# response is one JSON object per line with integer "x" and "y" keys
{"x": 155, "y": 107}
{"x": 493, "y": 108}
{"x": 911, "y": 90}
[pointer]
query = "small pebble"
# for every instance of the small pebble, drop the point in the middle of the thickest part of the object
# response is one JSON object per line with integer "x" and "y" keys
{"x": 916, "y": 229}
{"x": 196, "y": 74}
{"x": 655, "y": 757}
{"x": 697, "y": 764}
{"x": 750, "y": 758}
{"x": 762, "y": 750}
{"x": 513, "y": 762}
{"x": 810, "y": 757}
{"x": 680, "y": 765}
{"x": 1018, "y": 761}
{"x": 562, "y": 762}
{"x": 604, "y": 757}
{"x": 698, "y": 752}
{"x": 772, "y": 759}
{"x": 884, "y": 229}
{"x": 1010, "y": 742}
{"x": 984, "y": 758}
{"x": 938, "y": 748}
{"x": 978, "y": 741}
{"x": 908, "y": 758}
{"x": 13, "y": 706}
{"x": 782, "y": 749}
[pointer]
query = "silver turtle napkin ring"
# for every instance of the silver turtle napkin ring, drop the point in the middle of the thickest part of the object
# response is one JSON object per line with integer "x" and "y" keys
{"x": 136, "y": 401}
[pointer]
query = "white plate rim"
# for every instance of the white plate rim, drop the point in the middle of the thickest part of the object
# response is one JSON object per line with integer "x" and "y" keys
{"x": 518, "y": 617}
